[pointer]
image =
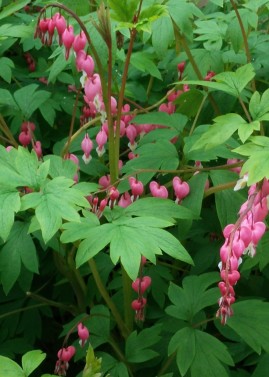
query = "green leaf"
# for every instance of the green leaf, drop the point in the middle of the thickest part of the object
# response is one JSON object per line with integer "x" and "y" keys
{"x": 184, "y": 343}
{"x": 8, "y": 169}
{"x": 228, "y": 201}
{"x": 57, "y": 67}
{"x": 234, "y": 33}
{"x": 195, "y": 198}
{"x": 17, "y": 31}
{"x": 193, "y": 296}
{"x": 217, "y": 2}
{"x": 218, "y": 133}
{"x": 160, "y": 208}
{"x": 18, "y": 248}
{"x": 189, "y": 102}
{"x": 126, "y": 245}
{"x": 257, "y": 144}
{"x": 256, "y": 167}
{"x": 7, "y": 99}
{"x": 97, "y": 238}
{"x": 159, "y": 155}
{"x": 12, "y": 8}
{"x": 29, "y": 99}
{"x": 27, "y": 165}
{"x": 244, "y": 131}
{"x": 137, "y": 345}
{"x": 48, "y": 112}
{"x": 57, "y": 201}
{"x": 200, "y": 352}
{"x": 149, "y": 15}
{"x": 31, "y": 360}
{"x": 210, "y": 355}
{"x": 124, "y": 10}
{"x": 237, "y": 80}
{"x": 259, "y": 106}
{"x": 143, "y": 62}
{"x": 9, "y": 205}
{"x": 60, "y": 167}
{"x": 6, "y": 65}
{"x": 176, "y": 121}
{"x": 232, "y": 83}
{"x": 262, "y": 366}
{"x": 9, "y": 368}
{"x": 182, "y": 13}
{"x": 254, "y": 333}
{"x": 169, "y": 244}
{"x": 223, "y": 150}
{"x": 81, "y": 8}
{"x": 99, "y": 330}
{"x": 162, "y": 35}
{"x": 211, "y": 32}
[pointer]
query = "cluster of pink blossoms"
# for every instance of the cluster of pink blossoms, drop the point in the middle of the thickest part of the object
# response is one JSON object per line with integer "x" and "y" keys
{"x": 65, "y": 354}
{"x": 241, "y": 238}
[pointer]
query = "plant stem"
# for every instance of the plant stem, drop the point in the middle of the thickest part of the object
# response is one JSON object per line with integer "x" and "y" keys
{"x": 17, "y": 311}
{"x": 167, "y": 364}
{"x": 245, "y": 39}
{"x": 121, "y": 96}
{"x": 213, "y": 190}
{"x": 67, "y": 268}
{"x": 72, "y": 266}
{"x": 102, "y": 290}
{"x": 245, "y": 110}
{"x": 119, "y": 353}
{"x": 151, "y": 80}
{"x": 127, "y": 295}
{"x": 77, "y": 133}
{"x": 113, "y": 163}
{"x": 4, "y": 128}
{"x": 133, "y": 33}
{"x": 194, "y": 65}
{"x": 73, "y": 120}
{"x": 197, "y": 115}
{"x": 46, "y": 301}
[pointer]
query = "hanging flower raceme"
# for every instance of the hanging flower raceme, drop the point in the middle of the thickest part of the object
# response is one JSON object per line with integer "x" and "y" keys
{"x": 241, "y": 238}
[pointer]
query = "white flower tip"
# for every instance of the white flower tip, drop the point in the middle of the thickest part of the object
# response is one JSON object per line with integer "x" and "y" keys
{"x": 86, "y": 159}
{"x": 241, "y": 183}
{"x": 83, "y": 79}
{"x": 132, "y": 146}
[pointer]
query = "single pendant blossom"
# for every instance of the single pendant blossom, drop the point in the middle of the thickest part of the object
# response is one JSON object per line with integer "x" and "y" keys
{"x": 86, "y": 146}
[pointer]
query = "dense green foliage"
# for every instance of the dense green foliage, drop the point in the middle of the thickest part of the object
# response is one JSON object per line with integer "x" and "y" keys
{"x": 189, "y": 81}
